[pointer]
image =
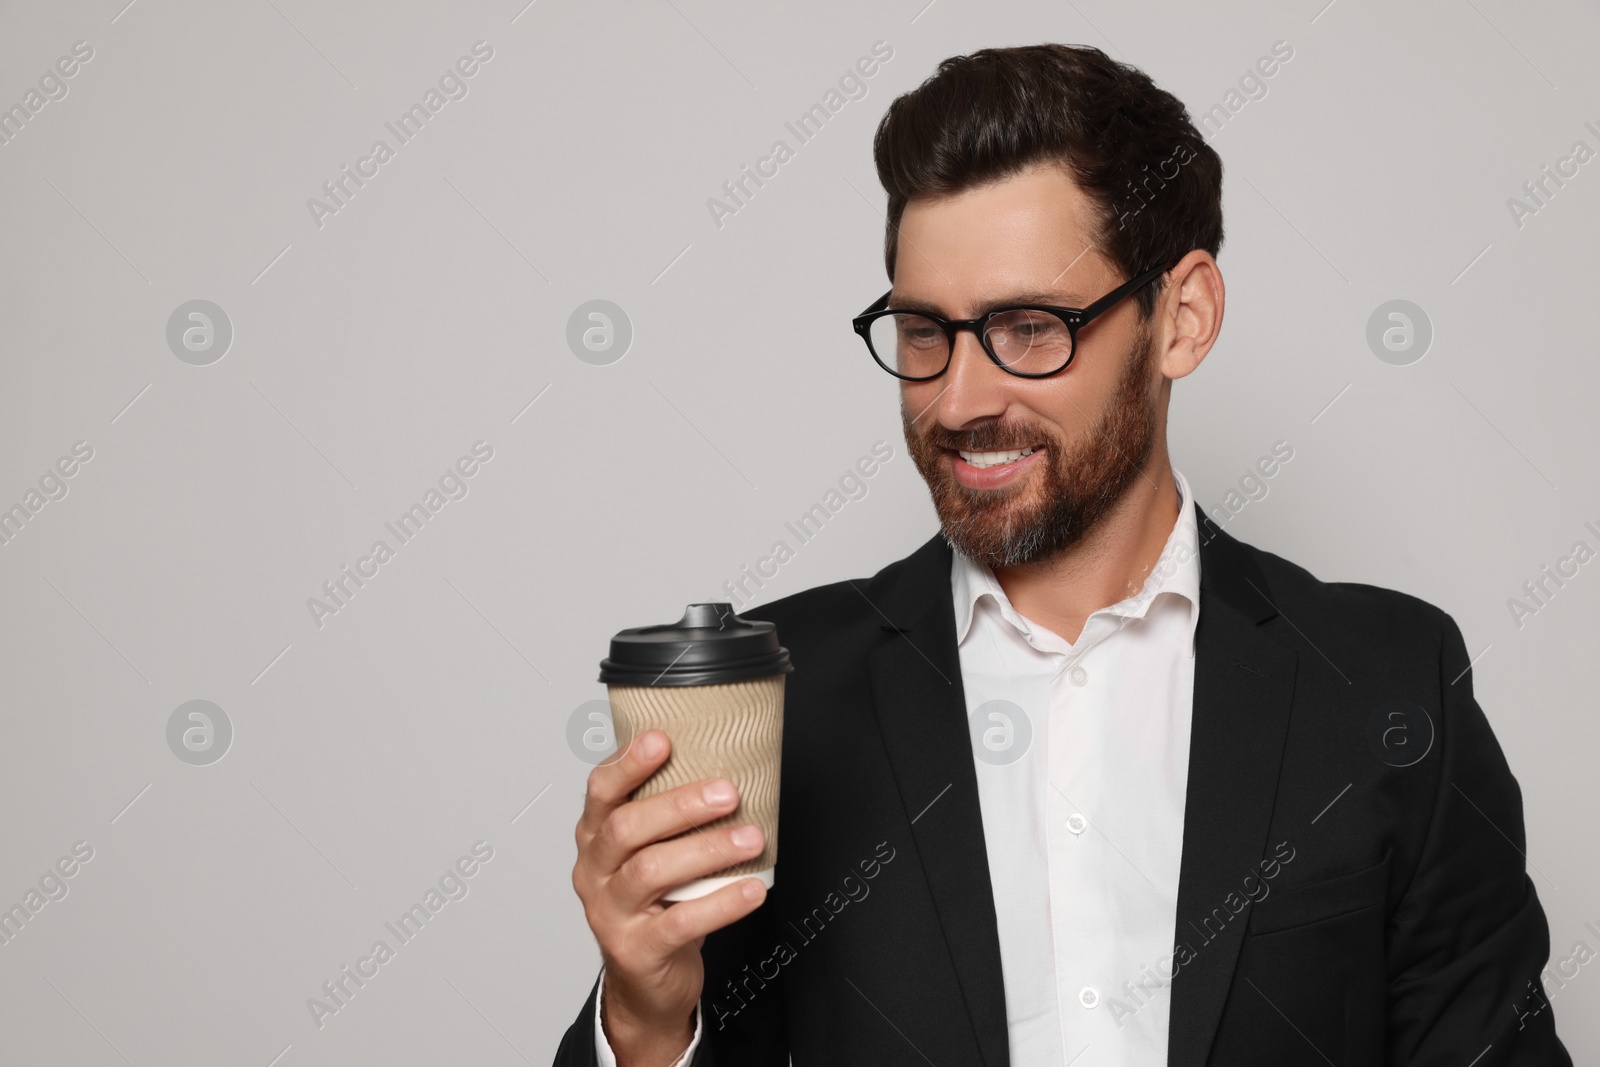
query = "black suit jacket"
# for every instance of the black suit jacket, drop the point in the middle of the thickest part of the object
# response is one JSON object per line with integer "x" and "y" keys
{"x": 1403, "y": 930}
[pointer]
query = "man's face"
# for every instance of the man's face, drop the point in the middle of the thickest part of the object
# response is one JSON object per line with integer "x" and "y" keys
{"x": 1092, "y": 427}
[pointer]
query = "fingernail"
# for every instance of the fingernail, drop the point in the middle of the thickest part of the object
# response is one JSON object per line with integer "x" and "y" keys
{"x": 718, "y": 792}
{"x": 649, "y": 746}
{"x": 746, "y": 837}
{"x": 752, "y": 889}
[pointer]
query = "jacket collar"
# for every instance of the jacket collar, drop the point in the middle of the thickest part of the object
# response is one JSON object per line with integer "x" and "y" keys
{"x": 1243, "y": 686}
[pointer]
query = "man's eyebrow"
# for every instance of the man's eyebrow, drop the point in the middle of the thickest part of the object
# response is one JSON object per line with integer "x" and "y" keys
{"x": 1050, "y": 299}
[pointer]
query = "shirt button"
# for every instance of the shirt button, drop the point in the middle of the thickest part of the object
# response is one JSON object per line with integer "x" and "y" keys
{"x": 1078, "y": 676}
{"x": 1088, "y": 996}
{"x": 1077, "y": 824}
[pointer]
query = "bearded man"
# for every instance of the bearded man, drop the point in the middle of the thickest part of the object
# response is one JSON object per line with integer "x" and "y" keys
{"x": 1082, "y": 780}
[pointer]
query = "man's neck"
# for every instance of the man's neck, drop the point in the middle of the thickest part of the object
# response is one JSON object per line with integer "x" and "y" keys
{"x": 1109, "y": 564}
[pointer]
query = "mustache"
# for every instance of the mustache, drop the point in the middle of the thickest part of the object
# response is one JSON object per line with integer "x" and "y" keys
{"x": 986, "y": 438}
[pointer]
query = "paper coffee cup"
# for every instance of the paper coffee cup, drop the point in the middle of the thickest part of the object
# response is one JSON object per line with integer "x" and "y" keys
{"x": 713, "y": 683}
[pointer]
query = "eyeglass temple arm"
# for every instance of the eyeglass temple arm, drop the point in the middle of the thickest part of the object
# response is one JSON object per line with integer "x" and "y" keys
{"x": 1119, "y": 292}
{"x": 878, "y": 304}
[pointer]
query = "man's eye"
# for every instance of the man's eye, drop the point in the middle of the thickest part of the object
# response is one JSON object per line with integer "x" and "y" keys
{"x": 920, "y": 334}
{"x": 1028, "y": 327}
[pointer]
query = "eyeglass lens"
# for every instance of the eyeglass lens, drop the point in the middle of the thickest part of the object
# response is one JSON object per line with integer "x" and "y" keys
{"x": 1023, "y": 340}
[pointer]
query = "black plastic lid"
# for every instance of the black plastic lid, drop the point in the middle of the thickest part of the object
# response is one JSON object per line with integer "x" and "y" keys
{"x": 708, "y": 646}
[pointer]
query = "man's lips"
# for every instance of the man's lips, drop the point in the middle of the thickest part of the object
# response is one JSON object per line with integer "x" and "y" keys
{"x": 991, "y": 469}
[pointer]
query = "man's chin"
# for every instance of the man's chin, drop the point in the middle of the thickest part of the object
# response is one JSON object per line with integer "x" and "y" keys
{"x": 994, "y": 537}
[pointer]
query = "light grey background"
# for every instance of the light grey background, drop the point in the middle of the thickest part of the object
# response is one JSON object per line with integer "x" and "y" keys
{"x": 370, "y": 353}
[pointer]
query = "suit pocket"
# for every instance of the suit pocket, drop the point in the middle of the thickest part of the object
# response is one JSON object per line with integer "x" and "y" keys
{"x": 1313, "y": 954}
{"x": 1326, "y": 899}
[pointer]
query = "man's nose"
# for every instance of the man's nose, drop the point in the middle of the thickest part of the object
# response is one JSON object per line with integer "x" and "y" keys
{"x": 974, "y": 387}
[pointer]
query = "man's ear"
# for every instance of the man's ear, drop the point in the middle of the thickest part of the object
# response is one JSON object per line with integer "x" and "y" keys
{"x": 1189, "y": 313}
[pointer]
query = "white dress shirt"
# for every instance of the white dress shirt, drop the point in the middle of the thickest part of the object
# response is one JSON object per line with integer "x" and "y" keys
{"x": 1082, "y": 758}
{"x": 1082, "y": 798}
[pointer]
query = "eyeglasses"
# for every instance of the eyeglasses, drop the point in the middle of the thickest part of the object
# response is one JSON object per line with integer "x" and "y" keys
{"x": 1028, "y": 340}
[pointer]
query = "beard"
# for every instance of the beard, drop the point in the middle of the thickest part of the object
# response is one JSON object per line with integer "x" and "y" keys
{"x": 1021, "y": 523}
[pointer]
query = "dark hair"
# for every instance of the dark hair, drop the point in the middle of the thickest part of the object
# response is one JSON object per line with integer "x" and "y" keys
{"x": 988, "y": 115}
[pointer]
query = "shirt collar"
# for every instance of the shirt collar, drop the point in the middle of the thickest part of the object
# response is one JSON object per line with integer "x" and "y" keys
{"x": 1177, "y": 571}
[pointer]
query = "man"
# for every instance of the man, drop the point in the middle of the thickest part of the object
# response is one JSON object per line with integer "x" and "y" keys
{"x": 1083, "y": 780}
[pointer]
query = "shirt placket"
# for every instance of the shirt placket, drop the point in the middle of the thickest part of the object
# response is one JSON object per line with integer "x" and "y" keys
{"x": 1074, "y": 863}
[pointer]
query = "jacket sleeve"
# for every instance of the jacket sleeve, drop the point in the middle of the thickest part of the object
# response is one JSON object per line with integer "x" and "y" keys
{"x": 1468, "y": 939}
{"x": 577, "y": 1044}
{"x": 740, "y": 1018}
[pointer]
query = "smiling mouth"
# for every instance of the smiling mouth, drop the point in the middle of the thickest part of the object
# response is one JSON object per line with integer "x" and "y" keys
{"x": 984, "y": 460}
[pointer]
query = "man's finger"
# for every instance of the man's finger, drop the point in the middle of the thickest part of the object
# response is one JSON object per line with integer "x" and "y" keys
{"x": 640, "y": 881}
{"x": 686, "y": 920}
{"x": 632, "y": 826}
{"x": 611, "y": 782}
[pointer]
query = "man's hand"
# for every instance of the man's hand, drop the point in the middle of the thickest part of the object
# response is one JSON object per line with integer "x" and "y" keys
{"x": 653, "y": 971}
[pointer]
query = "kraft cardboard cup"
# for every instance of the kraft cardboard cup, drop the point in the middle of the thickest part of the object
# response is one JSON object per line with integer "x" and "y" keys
{"x": 712, "y": 682}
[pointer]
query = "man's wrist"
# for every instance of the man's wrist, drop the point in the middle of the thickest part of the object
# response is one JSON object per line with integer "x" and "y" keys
{"x": 643, "y": 1042}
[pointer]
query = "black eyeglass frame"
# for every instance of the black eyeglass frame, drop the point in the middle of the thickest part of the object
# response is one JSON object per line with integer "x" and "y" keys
{"x": 1074, "y": 318}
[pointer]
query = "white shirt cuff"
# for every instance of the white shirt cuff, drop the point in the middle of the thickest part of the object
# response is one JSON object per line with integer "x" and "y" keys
{"x": 602, "y": 1047}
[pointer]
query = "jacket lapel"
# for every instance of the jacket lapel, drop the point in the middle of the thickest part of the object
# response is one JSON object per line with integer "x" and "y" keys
{"x": 916, "y": 687}
{"x": 1243, "y": 687}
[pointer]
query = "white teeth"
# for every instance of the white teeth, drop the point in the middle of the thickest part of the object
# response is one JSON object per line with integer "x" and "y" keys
{"x": 994, "y": 459}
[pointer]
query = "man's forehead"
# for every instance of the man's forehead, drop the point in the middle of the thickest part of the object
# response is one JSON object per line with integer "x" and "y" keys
{"x": 1022, "y": 239}
{"x": 1079, "y": 281}
{"x": 951, "y": 305}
